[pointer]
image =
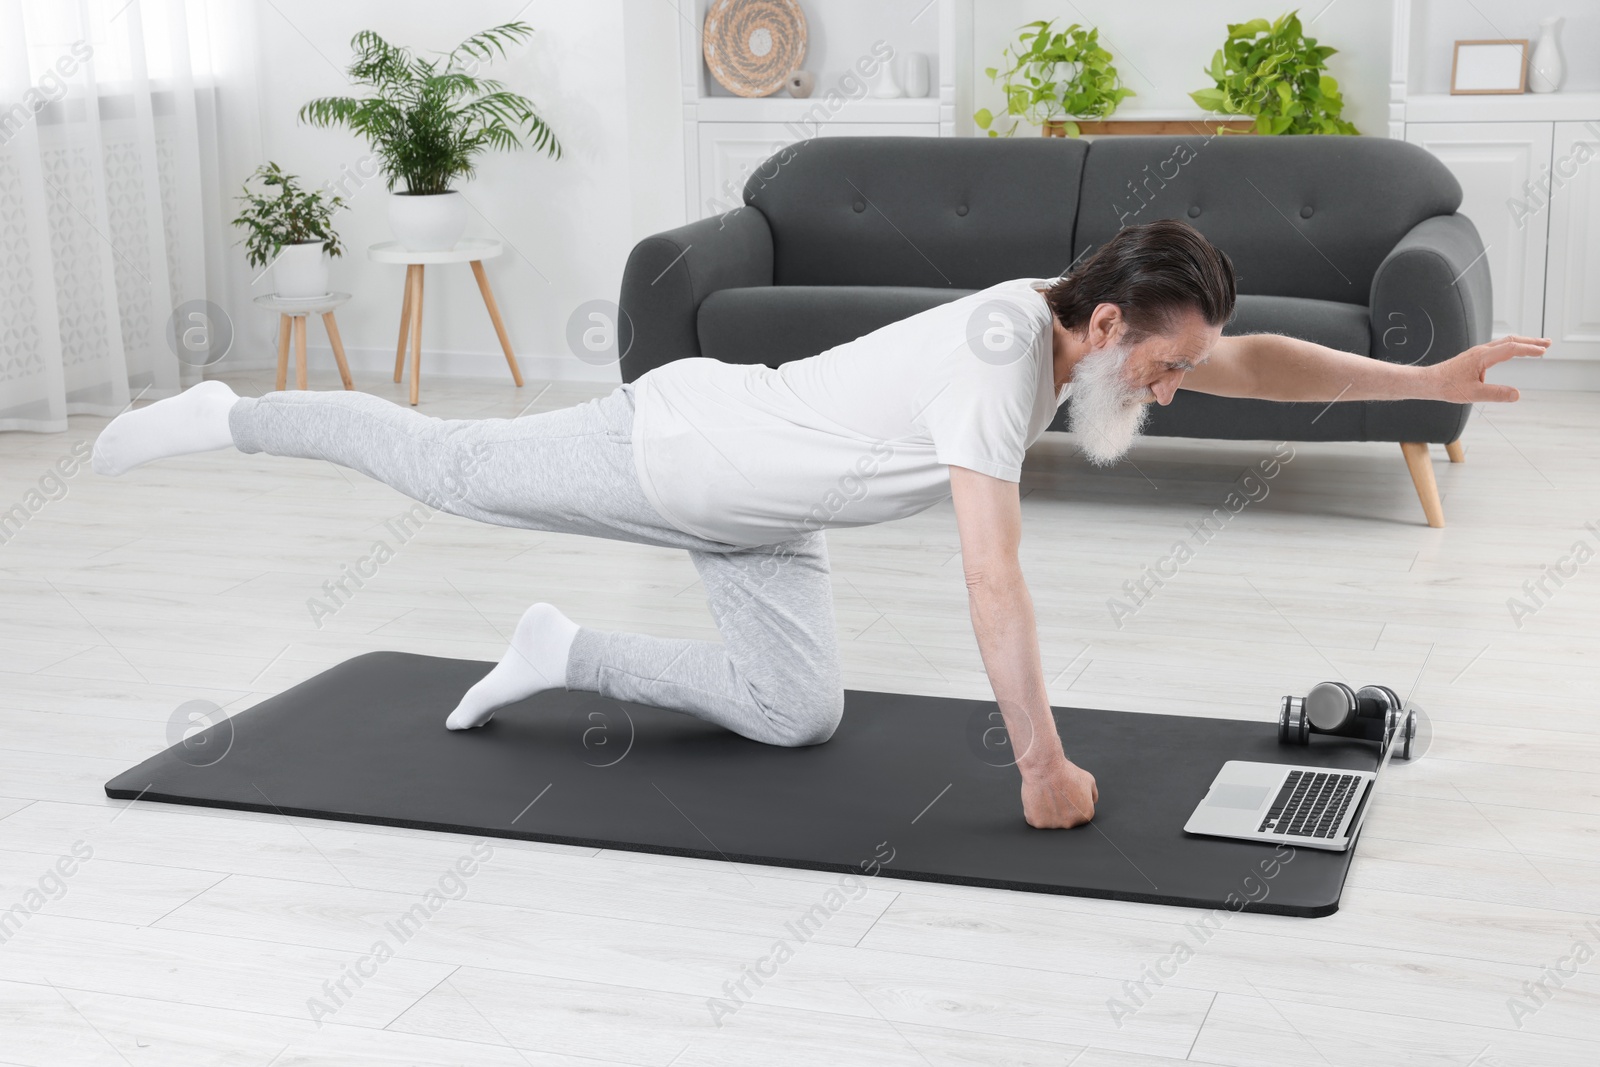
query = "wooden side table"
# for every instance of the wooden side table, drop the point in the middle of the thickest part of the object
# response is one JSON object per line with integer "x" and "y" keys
{"x": 292, "y": 312}
{"x": 472, "y": 250}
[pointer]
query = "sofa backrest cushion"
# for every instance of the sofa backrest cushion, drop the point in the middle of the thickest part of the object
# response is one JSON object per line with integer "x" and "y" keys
{"x": 1299, "y": 216}
{"x": 962, "y": 213}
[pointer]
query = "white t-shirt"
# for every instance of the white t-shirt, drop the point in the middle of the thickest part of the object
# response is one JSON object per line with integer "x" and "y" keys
{"x": 862, "y": 433}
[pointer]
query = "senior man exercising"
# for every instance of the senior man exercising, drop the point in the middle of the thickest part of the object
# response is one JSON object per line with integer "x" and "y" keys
{"x": 746, "y": 466}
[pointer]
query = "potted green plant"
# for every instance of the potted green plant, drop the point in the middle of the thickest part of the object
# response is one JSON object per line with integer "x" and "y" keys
{"x": 428, "y": 120}
{"x": 1274, "y": 73}
{"x": 290, "y": 229}
{"x": 1051, "y": 79}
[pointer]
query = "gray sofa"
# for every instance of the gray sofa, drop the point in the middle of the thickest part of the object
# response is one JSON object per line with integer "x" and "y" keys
{"x": 1351, "y": 242}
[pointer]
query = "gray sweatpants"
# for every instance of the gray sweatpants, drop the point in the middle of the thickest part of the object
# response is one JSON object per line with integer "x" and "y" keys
{"x": 774, "y": 677}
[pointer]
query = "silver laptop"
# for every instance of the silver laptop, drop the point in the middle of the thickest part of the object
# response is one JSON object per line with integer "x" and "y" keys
{"x": 1308, "y": 807}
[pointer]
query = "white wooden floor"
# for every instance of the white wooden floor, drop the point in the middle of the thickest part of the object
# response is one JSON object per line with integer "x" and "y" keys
{"x": 199, "y": 937}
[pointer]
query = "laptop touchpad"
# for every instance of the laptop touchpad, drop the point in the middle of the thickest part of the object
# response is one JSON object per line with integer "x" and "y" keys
{"x": 1248, "y": 797}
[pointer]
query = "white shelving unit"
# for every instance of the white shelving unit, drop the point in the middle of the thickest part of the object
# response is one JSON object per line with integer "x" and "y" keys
{"x": 1529, "y": 167}
{"x": 726, "y": 137}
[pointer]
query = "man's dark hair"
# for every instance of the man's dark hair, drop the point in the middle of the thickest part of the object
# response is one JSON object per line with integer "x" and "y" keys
{"x": 1154, "y": 272}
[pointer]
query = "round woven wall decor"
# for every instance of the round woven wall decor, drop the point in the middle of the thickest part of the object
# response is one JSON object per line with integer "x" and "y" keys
{"x": 752, "y": 45}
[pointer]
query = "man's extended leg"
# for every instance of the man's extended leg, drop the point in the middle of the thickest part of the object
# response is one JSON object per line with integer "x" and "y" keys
{"x": 567, "y": 471}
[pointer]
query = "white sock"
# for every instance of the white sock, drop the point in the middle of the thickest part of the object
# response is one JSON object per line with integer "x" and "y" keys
{"x": 196, "y": 420}
{"x": 536, "y": 661}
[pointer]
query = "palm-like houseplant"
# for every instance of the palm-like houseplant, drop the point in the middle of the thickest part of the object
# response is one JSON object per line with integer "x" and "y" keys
{"x": 428, "y": 120}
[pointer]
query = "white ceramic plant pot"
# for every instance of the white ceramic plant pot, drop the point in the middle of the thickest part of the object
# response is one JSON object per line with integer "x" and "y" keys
{"x": 429, "y": 223}
{"x": 301, "y": 271}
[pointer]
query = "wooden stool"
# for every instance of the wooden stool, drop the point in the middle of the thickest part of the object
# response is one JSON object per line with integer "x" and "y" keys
{"x": 292, "y": 312}
{"x": 472, "y": 250}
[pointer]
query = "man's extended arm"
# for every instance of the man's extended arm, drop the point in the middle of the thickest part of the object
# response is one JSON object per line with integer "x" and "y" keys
{"x": 1056, "y": 793}
{"x": 1270, "y": 367}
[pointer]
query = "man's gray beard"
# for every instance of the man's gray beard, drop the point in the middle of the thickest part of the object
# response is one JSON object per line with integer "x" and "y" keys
{"x": 1104, "y": 411}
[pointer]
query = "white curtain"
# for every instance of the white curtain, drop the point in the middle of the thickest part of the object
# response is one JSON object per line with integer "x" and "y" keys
{"x": 111, "y": 217}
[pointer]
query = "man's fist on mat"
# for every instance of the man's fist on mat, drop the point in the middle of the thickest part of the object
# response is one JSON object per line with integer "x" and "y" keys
{"x": 1059, "y": 797}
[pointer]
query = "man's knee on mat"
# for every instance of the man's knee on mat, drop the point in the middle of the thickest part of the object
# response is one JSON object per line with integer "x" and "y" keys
{"x": 809, "y": 719}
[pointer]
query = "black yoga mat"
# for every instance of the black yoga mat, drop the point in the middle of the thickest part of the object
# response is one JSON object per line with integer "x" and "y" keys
{"x": 909, "y": 787}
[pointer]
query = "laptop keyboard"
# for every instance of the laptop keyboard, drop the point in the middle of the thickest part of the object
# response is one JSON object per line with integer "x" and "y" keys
{"x": 1311, "y": 803}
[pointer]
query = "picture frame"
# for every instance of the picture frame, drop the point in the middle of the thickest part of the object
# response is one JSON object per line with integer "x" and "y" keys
{"x": 1489, "y": 67}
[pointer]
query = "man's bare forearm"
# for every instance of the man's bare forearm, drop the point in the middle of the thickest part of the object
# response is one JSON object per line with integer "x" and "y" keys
{"x": 1002, "y": 619}
{"x": 1269, "y": 367}
{"x": 1284, "y": 368}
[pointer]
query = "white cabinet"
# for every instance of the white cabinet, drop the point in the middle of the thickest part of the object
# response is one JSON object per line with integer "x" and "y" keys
{"x": 731, "y": 152}
{"x": 1529, "y": 167}
{"x": 1572, "y": 310}
{"x": 1498, "y": 165}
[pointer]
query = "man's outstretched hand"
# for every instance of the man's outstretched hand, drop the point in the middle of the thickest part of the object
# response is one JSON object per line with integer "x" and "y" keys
{"x": 1460, "y": 378}
{"x": 1059, "y": 797}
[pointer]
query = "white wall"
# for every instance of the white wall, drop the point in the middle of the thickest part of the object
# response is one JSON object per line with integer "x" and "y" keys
{"x": 1162, "y": 47}
{"x": 568, "y": 225}
{"x": 655, "y": 115}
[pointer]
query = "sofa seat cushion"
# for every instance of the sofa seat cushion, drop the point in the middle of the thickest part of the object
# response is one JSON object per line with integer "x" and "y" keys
{"x": 773, "y": 324}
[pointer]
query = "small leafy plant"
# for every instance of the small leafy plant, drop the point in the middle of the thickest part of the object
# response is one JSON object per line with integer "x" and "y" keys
{"x": 1052, "y": 78}
{"x": 428, "y": 120}
{"x": 1274, "y": 73}
{"x": 277, "y": 212}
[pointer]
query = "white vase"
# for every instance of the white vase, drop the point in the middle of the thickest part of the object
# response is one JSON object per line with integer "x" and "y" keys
{"x": 1545, "y": 67}
{"x": 300, "y": 271}
{"x": 918, "y": 80}
{"x": 432, "y": 222}
{"x": 884, "y": 87}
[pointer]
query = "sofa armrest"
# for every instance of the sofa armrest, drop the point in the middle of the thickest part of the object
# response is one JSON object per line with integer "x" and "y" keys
{"x": 670, "y": 274}
{"x": 1430, "y": 296}
{"x": 1430, "y": 300}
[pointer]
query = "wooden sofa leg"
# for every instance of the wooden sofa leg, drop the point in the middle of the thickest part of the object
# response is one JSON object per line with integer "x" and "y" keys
{"x": 1420, "y": 463}
{"x": 1456, "y": 452}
